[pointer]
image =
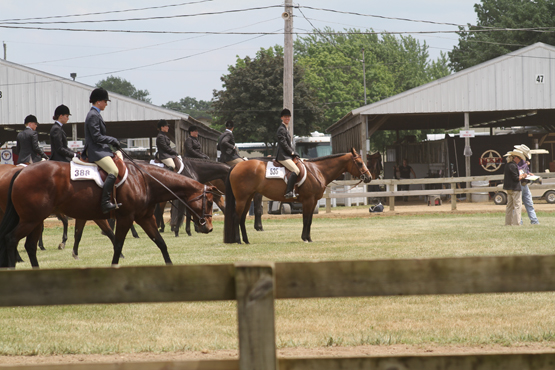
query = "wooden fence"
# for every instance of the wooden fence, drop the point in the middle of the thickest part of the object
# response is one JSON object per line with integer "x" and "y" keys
{"x": 255, "y": 286}
{"x": 391, "y": 192}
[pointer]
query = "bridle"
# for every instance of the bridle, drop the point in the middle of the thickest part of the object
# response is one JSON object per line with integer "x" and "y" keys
{"x": 366, "y": 173}
{"x": 201, "y": 220}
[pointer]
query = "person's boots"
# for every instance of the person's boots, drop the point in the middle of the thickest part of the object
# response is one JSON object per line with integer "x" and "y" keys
{"x": 290, "y": 186}
{"x": 105, "y": 202}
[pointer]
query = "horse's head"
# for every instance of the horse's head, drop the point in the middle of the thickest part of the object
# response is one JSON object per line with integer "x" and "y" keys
{"x": 201, "y": 206}
{"x": 358, "y": 168}
{"x": 374, "y": 164}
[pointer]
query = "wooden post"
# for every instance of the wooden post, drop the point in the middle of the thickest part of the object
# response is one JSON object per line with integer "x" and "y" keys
{"x": 392, "y": 199}
{"x": 453, "y": 197}
{"x": 255, "y": 291}
{"x": 328, "y": 200}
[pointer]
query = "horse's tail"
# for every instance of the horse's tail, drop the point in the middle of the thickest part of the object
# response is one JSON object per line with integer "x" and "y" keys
{"x": 229, "y": 214}
{"x": 9, "y": 222}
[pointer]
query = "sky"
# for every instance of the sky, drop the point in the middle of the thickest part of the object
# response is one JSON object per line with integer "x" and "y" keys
{"x": 170, "y": 61}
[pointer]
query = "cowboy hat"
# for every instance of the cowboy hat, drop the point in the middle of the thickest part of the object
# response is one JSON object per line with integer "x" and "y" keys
{"x": 516, "y": 153}
{"x": 525, "y": 150}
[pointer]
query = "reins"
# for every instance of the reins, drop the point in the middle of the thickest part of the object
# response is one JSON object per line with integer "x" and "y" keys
{"x": 355, "y": 185}
{"x": 202, "y": 220}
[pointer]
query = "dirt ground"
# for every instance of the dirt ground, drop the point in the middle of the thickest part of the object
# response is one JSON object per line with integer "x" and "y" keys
{"x": 413, "y": 207}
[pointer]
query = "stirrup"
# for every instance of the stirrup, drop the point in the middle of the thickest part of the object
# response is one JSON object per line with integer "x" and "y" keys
{"x": 108, "y": 207}
{"x": 290, "y": 195}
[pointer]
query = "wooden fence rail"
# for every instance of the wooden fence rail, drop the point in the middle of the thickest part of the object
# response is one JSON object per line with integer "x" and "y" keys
{"x": 255, "y": 286}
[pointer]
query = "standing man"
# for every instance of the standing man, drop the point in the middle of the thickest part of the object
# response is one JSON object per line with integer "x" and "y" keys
{"x": 523, "y": 167}
{"x": 404, "y": 173}
{"x": 227, "y": 147}
{"x": 28, "y": 148}
{"x": 163, "y": 144}
{"x": 58, "y": 138}
{"x": 193, "y": 149}
{"x": 511, "y": 183}
{"x": 285, "y": 153}
{"x": 97, "y": 146}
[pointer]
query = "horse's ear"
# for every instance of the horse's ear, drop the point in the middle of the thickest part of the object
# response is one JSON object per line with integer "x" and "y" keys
{"x": 354, "y": 152}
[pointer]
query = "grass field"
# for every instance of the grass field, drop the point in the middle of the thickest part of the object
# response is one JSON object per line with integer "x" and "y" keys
{"x": 506, "y": 319}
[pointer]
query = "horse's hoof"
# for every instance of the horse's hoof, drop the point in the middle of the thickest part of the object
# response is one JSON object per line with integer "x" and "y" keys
{"x": 136, "y": 236}
{"x": 42, "y": 248}
{"x": 61, "y": 246}
{"x": 121, "y": 256}
{"x": 189, "y": 233}
{"x": 74, "y": 255}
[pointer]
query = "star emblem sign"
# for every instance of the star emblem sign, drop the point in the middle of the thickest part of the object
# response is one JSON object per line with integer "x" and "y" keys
{"x": 491, "y": 160}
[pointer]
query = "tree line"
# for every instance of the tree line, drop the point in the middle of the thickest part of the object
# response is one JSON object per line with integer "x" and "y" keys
{"x": 328, "y": 72}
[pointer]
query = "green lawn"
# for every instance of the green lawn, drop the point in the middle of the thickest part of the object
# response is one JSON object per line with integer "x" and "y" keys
{"x": 466, "y": 319}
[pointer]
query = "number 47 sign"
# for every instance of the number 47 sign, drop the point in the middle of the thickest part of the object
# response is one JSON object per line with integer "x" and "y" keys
{"x": 540, "y": 79}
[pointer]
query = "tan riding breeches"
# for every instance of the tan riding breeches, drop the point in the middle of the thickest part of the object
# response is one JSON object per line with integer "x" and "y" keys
{"x": 108, "y": 165}
{"x": 234, "y": 162}
{"x": 168, "y": 162}
{"x": 290, "y": 165}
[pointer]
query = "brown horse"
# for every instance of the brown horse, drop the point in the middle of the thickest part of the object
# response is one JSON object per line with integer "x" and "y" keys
{"x": 29, "y": 204}
{"x": 249, "y": 177}
{"x": 374, "y": 164}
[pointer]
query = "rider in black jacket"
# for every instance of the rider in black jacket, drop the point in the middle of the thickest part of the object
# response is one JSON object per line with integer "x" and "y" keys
{"x": 28, "y": 148}
{"x": 58, "y": 138}
{"x": 193, "y": 149}
{"x": 163, "y": 144}
{"x": 285, "y": 153}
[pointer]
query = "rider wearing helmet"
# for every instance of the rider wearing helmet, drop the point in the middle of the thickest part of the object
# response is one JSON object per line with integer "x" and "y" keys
{"x": 97, "y": 146}
{"x": 28, "y": 147}
{"x": 165, "y": 152}
{"x": 193, "y": 149}
{"x": 58, "y": 138}
{"x": 285, "y": 152}
{"x": 227, "y": 147}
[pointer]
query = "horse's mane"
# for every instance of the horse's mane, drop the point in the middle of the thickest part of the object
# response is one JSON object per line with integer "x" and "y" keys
{"x": 325, "y": 157}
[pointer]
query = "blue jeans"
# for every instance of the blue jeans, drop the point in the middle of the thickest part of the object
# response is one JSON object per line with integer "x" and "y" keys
{"x": 529, "y": 204}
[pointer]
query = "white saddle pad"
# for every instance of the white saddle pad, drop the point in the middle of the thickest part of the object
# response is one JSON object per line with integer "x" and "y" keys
{"x": 273, "y": 172}
{"x": 159, "y": 164}
{"x": 89, "y": 171}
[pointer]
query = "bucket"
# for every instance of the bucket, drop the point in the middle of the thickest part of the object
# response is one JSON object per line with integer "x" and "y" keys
{"x": 479, "y": 197}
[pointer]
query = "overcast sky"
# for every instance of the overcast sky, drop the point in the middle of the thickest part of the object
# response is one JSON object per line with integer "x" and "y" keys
{"x": 172, "y": 66}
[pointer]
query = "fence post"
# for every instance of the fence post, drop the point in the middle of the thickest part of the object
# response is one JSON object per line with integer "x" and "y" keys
{"x": 255, "y": 291}
{"x": 328, "y": 199}
{"x": 453, "y": 197}
{"x": 392, "y": 199}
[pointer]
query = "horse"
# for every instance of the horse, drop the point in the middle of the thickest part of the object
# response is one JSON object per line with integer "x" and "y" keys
{"x": 207, "y": 172}
{"x": 374, "y": 164}
{"x": 249, "y": 177}
{"x": 28, "y": 204}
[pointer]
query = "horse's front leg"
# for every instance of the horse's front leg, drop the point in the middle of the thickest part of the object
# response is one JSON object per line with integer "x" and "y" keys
{"x": 79, "y": 226}
{"x": 242, "y": 211}
{"x": 122, "y": 228}
{"x": 188, "y": 222}
{"x": 308, "y": 209}
{"x": 149, "y": 226}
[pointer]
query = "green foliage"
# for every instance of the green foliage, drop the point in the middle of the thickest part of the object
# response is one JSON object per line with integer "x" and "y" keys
{"x": 334, "y": 68}
{"x": 199, "y": 109}
{"x": 253, "y": 98}
{"x": 477, "y": 47}
{"x": 124, "y": 87}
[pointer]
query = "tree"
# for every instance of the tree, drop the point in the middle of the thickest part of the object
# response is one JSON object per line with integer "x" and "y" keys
{"x": 489, "y": 42}
{"x": 124, "y": 87}
{"x": 253, "y": 98}
{"x": 199, "y": 109}
{"x": 333, "y": 63}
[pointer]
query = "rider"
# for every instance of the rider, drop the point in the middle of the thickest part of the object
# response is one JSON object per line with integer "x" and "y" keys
{"x": 97, "y": 146}
{"x": 165, "y": 152}
{"x": 285, "y": 153}
{"x": 58, "y": 138}
{"x": 28, "y": 147}
{"x": 227, "y": 147}
{"x": 193, "y": 149}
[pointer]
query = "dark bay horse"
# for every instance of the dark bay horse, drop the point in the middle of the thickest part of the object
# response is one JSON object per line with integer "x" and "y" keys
{"x": 146, "y": 185}
{"x": 210, "y": 172}
{"x": 249, "y": 177}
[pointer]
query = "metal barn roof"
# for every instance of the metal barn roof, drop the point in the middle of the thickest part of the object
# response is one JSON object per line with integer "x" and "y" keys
{"x": 516, "y": 85}
{"x": 27, "y": 91}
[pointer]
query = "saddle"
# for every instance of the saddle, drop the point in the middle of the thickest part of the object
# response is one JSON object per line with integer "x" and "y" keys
{"x": 302, "y": 174}
{"x": 177, "y": 161}
{"x": 82, "y": 169}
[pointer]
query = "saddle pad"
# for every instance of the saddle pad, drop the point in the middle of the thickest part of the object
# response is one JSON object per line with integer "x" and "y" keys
{"x": 273, "y": 172}
{"x": 89, "y": 171}
{"x": 159, "y": 164}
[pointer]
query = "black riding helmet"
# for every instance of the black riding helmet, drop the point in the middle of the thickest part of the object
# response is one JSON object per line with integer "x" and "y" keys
{"x": 99, "y": 94}
{"x": 193, "y": 128}
{"x": 61, "y": 110}
{"x": 162, "y": 123}
{"x": 285, "y": 112}
{"x": 30, "y": 118}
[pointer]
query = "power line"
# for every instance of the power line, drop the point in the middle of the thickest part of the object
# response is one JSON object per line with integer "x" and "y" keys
{"x": 108, "y": 12}
{"x": 150, "y": 18}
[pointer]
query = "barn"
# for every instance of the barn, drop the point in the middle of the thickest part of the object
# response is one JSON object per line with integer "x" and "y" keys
{"x": 516, "y": 89}
{"x": 25, "y": 91}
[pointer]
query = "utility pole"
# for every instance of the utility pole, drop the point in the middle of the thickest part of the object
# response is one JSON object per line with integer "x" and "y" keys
{"x": 288, "y": 63}
{"x": 5, "y": 47}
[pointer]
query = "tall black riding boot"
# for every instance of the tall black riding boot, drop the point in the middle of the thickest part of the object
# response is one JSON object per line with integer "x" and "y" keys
{"x": 105, "y": 202}
{"x": 290, "y": 185}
